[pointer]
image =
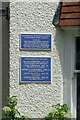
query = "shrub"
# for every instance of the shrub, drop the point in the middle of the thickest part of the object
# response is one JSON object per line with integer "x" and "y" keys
{"x": 59, "y": 112}
{"x": 10, "y": 111}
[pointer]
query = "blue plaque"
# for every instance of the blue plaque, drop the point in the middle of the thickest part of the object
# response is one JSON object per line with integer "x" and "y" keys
{"x": 35, "y": 69}
{"x": 35, "y": 42}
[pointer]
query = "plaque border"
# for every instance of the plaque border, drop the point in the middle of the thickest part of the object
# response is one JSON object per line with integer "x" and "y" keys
{"x": 33, "y": 49}
{"x": 37, "y": 82}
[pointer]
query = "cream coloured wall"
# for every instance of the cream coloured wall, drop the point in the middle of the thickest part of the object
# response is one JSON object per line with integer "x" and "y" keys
{"x": 35, "y": 17}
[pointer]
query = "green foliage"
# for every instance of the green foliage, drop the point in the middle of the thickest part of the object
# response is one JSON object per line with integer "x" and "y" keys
{"x": 10, "y": 111}
{"x": 59, "y": 112}
{"x": 24, "y": 118}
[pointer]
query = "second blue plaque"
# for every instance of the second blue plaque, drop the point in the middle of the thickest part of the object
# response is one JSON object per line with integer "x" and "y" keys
{"x": 35, "y": 41}
{"x": 35, "y": 69}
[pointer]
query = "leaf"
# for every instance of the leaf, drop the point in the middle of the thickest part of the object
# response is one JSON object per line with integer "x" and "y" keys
{"x": 53, "y": 105}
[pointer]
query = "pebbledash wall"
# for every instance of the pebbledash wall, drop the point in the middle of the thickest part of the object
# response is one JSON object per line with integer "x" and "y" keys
{"x": 35, "y": 17}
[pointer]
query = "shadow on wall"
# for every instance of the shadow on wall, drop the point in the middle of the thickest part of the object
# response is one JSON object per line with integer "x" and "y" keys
{"x": 63, "y": 50}
{"x": 58, "y": 60}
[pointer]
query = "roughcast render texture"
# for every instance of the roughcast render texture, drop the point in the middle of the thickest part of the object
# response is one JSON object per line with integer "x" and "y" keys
{"x": 35, "y": 17}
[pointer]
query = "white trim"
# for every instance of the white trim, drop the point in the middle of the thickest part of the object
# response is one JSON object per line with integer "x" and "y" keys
{"x": 70, "y": 28}
{"x": 70, "y": 92}
{"x": 74, "y": 79}
{"x": 34, "y": 33}
{"x": 76, "y": 71}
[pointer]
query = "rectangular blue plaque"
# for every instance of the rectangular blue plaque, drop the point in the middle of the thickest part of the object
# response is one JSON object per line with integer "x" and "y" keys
{"x": 35, "y": 41}
{"x": 35, "y": 69}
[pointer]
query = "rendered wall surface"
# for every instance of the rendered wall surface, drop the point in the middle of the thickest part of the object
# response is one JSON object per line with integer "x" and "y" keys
{"x": 35, "y": 17}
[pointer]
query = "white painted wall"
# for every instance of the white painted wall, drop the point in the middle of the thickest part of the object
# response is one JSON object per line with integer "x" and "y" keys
{"x": 70, "y": 80}
{"x": 35, "y": 17}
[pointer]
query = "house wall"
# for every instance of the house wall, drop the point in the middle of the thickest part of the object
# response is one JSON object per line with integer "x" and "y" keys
{"x": 69, "y": 78}
{"x": 35, "y": 17}
{"x": 69, "y": 67}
